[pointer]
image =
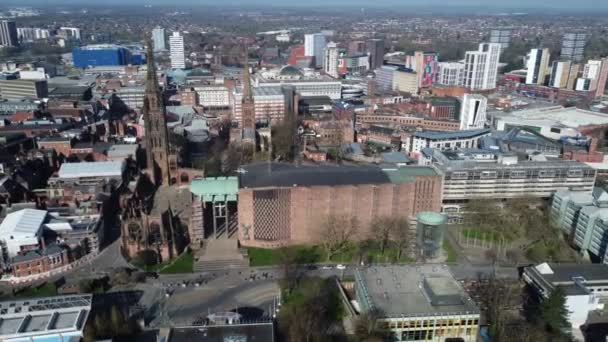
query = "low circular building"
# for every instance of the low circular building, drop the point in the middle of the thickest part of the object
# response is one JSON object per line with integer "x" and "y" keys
{"x": 429, "y": 233}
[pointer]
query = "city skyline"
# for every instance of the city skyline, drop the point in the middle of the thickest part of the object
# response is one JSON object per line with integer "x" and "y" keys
{"x": 583, "y": 5}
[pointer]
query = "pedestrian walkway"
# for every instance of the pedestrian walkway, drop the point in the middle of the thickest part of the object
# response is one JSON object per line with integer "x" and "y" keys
{"x": 219, "y": 255}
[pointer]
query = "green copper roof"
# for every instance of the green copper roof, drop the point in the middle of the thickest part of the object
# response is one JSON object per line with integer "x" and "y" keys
{"x": 214, "y": 189}
{"x": 430, "y": 218}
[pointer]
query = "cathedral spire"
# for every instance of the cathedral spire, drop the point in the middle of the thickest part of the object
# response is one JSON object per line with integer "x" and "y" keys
{"x": 153, "y": 95}
{"x": 157, "y": 140}
{"x": 247, "y": 95}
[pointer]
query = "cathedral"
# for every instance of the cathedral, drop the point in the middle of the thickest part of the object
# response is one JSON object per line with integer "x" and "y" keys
{"x": 155, "y": 209}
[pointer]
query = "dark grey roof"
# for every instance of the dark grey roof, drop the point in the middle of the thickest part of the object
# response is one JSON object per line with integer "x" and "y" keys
{"x": 283, "y": 175}
{"x": 262, "y": 332}
{"x": 452, "y": 135}
{"x": 33, "y": 255}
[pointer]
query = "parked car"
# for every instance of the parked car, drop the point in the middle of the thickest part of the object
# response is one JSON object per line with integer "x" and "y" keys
{"x": 340, "y": 267}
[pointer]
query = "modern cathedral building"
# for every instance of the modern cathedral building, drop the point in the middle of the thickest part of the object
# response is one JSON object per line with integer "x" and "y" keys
{"x": 281, "y": 204}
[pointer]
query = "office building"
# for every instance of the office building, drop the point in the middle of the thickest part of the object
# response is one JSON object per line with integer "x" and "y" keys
{"x": 384, "y": 76}
{"x": 597, "y": 72}
{"x": 69, "y": 33}
{"x": 269, "y": 103}
{"x": 132, "y": 96}
{"x": 8, "y": 33}
{"x": 484, "y": 173}
{"x": 560, "y": 74}
{"x": 314, "y": 46}
{"x": 213, "y": 96}
{"x": 406, "y": 81}
{"x": 306, "y": 82}
{"x": 356, "y": 47}
{"x": 158, "y": 38}
{"x": 584, "y": 84}
{"x": 450, "y": 74}
{"x": 31, "y": 34}
{"x": 330, "y": 64}
{"x": 176, "y": 47}
{"x": 58, "y": 318}
{"x": 418, "y": 303}
{"x": 375, "y": 48}
{"x": 501, "y": 36}
{"x": 444, "y": 140}
{"x": 584, "y": 286}
{"x": 583, "y": 217}
{"x": 473, "y": 113}
{"x": 573, "y": 46}
{"x": 426, "y": 68}
{"x": 481, "y": 67}
{"x": 357, "y": 64}
{"x": 23, "y": 89}
{"x": 538, "y": 64}
{"x": 552, "y": 122}
{"x": 101, "y": 55}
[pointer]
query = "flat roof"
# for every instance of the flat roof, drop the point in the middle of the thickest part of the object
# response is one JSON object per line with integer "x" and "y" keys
{"x": 413, "y": 290}
{"x": 92, "y": 169}
{"x": 263, "y": 332}
{"x": 25, "y": 221}
{"x": 40, "y": 316}
{"x": 434, "y": 135}
{"x": 557, "y": 115}
{"x": 261, "y": 175}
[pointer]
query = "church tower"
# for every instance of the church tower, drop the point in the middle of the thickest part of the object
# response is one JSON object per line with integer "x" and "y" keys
{"x": 247, "y": 104}
{"x": 157, "y": 141}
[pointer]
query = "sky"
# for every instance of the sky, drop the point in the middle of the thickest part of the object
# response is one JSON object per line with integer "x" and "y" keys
{"x": 590, "y": 4}
{"x": 578, "y": 5}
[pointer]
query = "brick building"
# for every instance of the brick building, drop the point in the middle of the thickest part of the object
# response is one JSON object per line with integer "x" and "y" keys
{"x": 39, "y": 261}
{"x": 411, "y": 121}
{"x": 285, "y": 204}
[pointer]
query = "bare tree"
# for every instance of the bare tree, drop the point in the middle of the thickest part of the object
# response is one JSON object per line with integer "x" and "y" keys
{"x": 402, "y": 235}
{"x": 367, "y": 329}
{"x": 381, "y": 231}
{"x": 497, "y": 297}
{"x": 336, "y": 233}
{"x": 289, "y": 263}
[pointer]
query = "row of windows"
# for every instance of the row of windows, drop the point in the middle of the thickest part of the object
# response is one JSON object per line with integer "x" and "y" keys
{"x": 516, "y": 174}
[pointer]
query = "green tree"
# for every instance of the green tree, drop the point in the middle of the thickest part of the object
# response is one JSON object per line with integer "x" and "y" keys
{"x": 117, "y": 320}
{"x": 554, "y": 314}
{"x": 102, "y": 326}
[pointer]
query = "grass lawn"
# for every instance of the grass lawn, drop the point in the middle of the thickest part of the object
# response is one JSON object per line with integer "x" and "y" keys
{"x": 268, "y": 257}
{"x": 44, "y": 290}
{"x": 316, "y": 254}
{"x": 449, "y": 251}
{"x": 182, "y": 264}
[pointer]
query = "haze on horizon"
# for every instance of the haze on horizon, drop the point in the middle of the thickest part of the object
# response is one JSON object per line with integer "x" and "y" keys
{"x": 580, "y": 5}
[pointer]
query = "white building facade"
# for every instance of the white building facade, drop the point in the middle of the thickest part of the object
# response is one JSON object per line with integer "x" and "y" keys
{"x": 474, "y": 111}
{"x": 176, "y": 46}
{"x": 538, "y": 63}
{"x": 314, "y": 46}
{"x": 450, "y": 74}
{"x": 330, "y": 64}
{"x": 158, "y": 39}
{"x": 481, "y": 67}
